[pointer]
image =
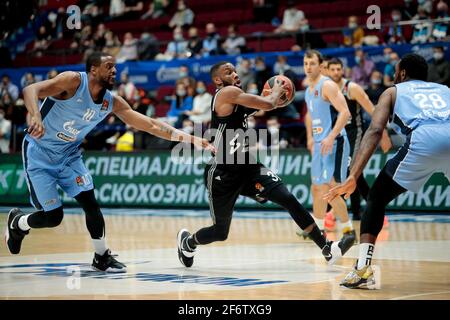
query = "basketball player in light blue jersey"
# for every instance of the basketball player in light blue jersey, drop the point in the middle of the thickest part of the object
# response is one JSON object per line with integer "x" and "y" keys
{"x": 328, "y": 114}
{"x": 422, "y": 110}
{"x": 75, "y": 102}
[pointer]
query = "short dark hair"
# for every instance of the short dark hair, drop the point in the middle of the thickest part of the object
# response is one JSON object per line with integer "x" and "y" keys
{"x": 335, "y": 61}
{"x": 312, "y": 53}
{"x": 415, "y": 65}
{"x": 95, "y": 59}
{"x": 216, "y": 67}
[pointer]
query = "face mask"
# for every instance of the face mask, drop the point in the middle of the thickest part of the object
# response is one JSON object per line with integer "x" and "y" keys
{"x": 420, "y": 1}
{"x": 181, "y": 92}
{"x": 393, "y": 62}
{"x": 183, "y": 74}
{"x": 396, "y": 18}
{"x": 438, "y": 55}
{"x": 376, "y": 81}
{"x": 304, "y": 27}
{"x": 259, "y": 68}
{"x": 387, "y": 57}
{"x": 2, "y": 116}
{"x": 357, "y": 60}
{"x": 273, "y": 130}
{"x": 352, "y": 25}
{"x": 188, "y": 129}
{"x": 201, "y": 90}
{"x": 178, "y": 37}
{"x": 253, "y": 91}
{"x": 232, "y": 35}
{"x": 244, "y": 70}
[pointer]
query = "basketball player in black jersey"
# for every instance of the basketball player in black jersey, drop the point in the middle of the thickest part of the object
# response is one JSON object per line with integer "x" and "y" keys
{"x": 234, "y": 171}
{"x": 357, "y": 100}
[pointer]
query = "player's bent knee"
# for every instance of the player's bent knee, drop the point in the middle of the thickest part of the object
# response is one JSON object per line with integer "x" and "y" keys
{"x": 54, "y": 217}
{"x": 221, "y": 233}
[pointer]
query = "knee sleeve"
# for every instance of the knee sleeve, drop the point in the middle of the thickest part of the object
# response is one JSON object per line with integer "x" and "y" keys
{"x": 54, "y": 217}
{"x": 46, "y": 219}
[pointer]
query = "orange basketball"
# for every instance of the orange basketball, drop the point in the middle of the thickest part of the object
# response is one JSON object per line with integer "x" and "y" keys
{"x": 287, "y": 97}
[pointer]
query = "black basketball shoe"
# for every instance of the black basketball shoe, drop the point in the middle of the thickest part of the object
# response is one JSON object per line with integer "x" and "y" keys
{"x": 108, "y": 263}
{"x": 185, "y": 254}
{"x": 14, "y": 235}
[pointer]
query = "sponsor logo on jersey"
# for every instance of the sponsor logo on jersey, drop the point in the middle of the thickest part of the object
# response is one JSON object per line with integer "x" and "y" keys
{"x": 65, "y": 137}
{"x": 105, "y": 105}
{"x": 316, "y": 93}
{"x": 259, "y": 187}
{"x": 317, "y": 130}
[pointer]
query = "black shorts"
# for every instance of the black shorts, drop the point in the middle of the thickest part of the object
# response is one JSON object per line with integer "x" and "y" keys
{"x": 224, "y": 187}
{"x": 354, "y": 136}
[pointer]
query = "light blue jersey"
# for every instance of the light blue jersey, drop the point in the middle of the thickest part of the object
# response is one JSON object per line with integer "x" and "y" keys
{"x": 55, "y": 159}
{"x": 325, "y": 168}
{"x": 422, "y": 112}
{"x": 323, "y": 114}
{"x": 419, "y": 102}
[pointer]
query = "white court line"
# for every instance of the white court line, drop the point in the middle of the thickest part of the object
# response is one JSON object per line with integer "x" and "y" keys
{"x": 419, "y": 295}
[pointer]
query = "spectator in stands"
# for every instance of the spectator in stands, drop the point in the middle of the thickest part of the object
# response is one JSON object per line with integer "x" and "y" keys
{"x": 42, "y": 40}
{"x": 187, "y": 80}
{"x": 427, "y": 5}
{"x": 262, "y": 73}
{"x": 112, "y": 44}
{"x": 283, "y": 68}
{"x": 27, "y": 79}
{"x": 394, "y": 31}
{"x": 441, "y": 29}
{"x": 234, "y": 43}
{"x": 125, "y": 143}
{"x": 147, "y": 46}
{"x": 99, "y": 37}
{"x": 409, "y": 10}
{"x": 128, "y": 51}
{"x": 201, "y": 110}
{"x": 211, "y": 42}
{"x": 177, "y": 49}
{"x": 439, "y": 68}
{"x": 116, "y": 8}
{"x": 5, "y": 132}
{"x": 293, "y": 18}
{"x": 264, "y": 10}
{"x": 187, "y": 126}
{"x": 133, "y": 9}
{"x": 354, "y": 34}
{"x": 92, "y": 13}
{"x": 52, "y": 73}
{"x": 181, "y": 102}
{"x": 184, "y": 17}
{"x": 389, "y": 70}
{"x": 83, "y": 39}
{"x": 8, "y": 88}
{"x": 195, "y": 44}
{"x": 156, "y": 9}
{"x": 127, "y": 89}
{"x": 363, "y": 69}
{"x": 277, "y": 138}
{"x": 387, "y": 54}
{"x": 422, "y": 30}
{"x": 376, "y": 87}
{"x": 245, "y": 73}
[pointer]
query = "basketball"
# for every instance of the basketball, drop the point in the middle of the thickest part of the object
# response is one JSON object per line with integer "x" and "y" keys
{"x": 285, "y": 98}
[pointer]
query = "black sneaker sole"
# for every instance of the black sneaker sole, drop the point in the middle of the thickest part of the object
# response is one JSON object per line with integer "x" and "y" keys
{"x": 187, "y": 262}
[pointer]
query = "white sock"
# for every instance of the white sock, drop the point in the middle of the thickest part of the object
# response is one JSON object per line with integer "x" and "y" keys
{"x": 23, "y": 223}
{"x": 365, "y": 255}
{"x": 100, "y": 246}
{"x": 320, "y": 223}
{"x": 347, "y": 224}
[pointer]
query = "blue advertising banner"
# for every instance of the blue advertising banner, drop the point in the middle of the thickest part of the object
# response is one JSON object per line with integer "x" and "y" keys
{"x": 152, "y": 74}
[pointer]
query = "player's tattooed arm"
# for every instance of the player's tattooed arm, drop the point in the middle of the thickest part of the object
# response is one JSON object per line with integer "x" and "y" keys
{"x": 373, "y": 135}
{"x": 153, "y": 126}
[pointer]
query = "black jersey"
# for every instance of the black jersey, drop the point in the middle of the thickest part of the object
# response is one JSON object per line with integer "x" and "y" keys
{"x": 356, "y": 120}
{"x": 231, "y": 136}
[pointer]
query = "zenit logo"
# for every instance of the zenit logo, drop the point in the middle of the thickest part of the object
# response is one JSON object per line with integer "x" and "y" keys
{"x": 66, "y": 270}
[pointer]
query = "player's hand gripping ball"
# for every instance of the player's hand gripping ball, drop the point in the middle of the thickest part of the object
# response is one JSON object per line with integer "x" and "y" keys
{"x": 287, "y": 97}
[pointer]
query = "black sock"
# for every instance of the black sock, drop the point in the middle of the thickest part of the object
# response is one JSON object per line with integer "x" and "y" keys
{"x": 191, "y": 243}
{"x": 318, "y": 238}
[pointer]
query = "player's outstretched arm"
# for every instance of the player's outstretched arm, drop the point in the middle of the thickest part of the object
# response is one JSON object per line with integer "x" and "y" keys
{"x": 153, "y": 126}
{"x": 235, "y": 95}
{"x": 64, "y": 82}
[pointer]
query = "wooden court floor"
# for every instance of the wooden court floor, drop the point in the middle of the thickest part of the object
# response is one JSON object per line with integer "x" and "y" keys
{"x": 263, "y": 258}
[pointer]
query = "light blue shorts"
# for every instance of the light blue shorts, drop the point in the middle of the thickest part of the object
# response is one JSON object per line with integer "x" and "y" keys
{"x": 334, "y": 165}
{"x": 425, "y": 152}
{"x": 44, "y": 175}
